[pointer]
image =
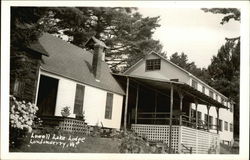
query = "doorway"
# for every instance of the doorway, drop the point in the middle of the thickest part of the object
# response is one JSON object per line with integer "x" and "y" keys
{"x": 47, "y": 94}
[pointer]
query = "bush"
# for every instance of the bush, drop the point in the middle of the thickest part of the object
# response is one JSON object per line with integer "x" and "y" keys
{"x": 22, "y": 119}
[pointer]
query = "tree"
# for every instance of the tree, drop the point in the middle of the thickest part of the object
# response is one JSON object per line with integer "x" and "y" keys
{"x": 230, "y": 13}
{"x": 124, "y": 30}
{"x": 224, "y": 69}
{"x": 182, "y": 61}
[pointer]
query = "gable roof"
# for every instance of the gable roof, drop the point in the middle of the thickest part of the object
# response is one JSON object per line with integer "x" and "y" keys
{"x": 175, "y": 65}
{"x": 75, "y": 63}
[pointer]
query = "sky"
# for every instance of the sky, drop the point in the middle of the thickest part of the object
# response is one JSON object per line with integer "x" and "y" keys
{"x": 190, "y": 30}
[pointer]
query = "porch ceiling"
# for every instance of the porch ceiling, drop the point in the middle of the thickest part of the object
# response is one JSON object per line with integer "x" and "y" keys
{"x": 165, "y": 85}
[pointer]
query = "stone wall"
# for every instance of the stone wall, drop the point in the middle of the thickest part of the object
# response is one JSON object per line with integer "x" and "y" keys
{"x": 24, "y": 69}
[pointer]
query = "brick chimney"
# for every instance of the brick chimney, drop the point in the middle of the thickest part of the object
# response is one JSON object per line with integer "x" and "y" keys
{"x": 98, "y": 56}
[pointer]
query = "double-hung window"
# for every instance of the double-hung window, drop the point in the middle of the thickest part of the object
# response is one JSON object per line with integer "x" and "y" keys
{"x": 109, "y": 106}
{"x": 79, "y": 96}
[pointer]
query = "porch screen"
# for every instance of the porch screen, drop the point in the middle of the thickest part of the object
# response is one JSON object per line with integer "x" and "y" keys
{"x": 78, "y": 107}
{"x": 109, "y": 106}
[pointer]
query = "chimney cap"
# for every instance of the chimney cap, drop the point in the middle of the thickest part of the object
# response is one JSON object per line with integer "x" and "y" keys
{"x": 93, "y": 41}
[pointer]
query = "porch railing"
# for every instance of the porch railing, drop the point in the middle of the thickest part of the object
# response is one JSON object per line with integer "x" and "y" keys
{"x": 163, "y": 118}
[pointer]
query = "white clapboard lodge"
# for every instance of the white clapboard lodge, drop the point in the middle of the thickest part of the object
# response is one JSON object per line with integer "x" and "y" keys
{"x": 79, "y": 79}
{"x": 162, "y": 96}
{"x": 152, "y": 97}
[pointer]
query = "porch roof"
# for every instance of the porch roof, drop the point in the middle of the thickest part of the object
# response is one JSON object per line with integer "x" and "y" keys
{"x": 164, "y": 85}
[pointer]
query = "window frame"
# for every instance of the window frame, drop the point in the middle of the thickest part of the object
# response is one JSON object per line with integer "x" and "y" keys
{"x": 153, "y": 64}
{"x": 109, "y": 105}
{"x": 231, "y": 127}
{"x": 225, "y": 125}
{"x": 79, "y": 102}
{"x": 210, "y": 122}
{"x": 211, "y": 94}
{"x": 194, "y": 84}
{"x": 203, "y": 89}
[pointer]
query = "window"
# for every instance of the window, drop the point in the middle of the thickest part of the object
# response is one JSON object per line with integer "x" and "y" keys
{"x": 194, "y": 84}
{"x": 206, "y": 118}
{"x": 211, "y": 94}
{"x": 79, "y": 96}
{"x": 216, "y": 97}
{"x": 193, "y": 114}
{"x": 231, "y": 127}
{"x": 199, "y": 115}
{"x": 210, "y": 122}
{"x": 231, "y": 107}
{"x": 109, "y": 106}
{"x": 220, "y": 124}
{"x": 203, "y": 89}
{"x": 153, "y": 64}
{"x": 222, "y": 100}
{"x": 226, "y": 126}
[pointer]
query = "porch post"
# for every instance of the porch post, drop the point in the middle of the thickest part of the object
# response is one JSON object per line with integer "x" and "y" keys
{"x": 218, "y": 116}
{"x": 196, "y": 114}
{"x": 190, "y": 112}
{"x": 208, "y": 108}
{"x": 126, "y": 105}
{"x": 155, "y": 105}
{"x": 181, "y": 98}
{"x": 170, "y": 120}
{"x": 136, "y": 105}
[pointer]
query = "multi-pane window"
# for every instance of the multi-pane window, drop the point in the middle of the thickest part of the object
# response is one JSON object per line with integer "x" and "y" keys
{"x": 231, "y": 127}
{"x": 79, "y": 96}
{"x": 226, "y": 126}
{"x": 194, "y": 84}
{"x": 203, "y": 89}
{"x": 153, "y": 64}
{"x": 109, "y": 106}
{"x": 220, "y": 124}
{"x": 211, "y": 94}
{"x": 210, "y": 122}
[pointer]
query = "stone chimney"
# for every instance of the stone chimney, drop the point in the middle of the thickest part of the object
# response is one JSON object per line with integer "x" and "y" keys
{"x": 98, "y": 55}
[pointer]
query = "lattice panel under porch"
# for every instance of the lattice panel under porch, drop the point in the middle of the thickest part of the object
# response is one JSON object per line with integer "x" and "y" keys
{"x": 158, "y": 133}
{"x": 73, "y": 126}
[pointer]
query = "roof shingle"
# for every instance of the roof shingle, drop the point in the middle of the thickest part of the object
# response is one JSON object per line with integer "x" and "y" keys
{"x": 70, "y": 61}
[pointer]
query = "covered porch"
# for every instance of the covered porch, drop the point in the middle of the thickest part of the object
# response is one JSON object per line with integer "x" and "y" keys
{"x": 153, "y": 103}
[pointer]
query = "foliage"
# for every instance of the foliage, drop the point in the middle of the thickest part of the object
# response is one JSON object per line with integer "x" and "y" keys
{"x": 65, "y": 111}
{"x": 22, "y": 119}
{"x": 182, "y": 61}
{"x": 230, "y": 13}
{"x": 224, "y": 69}
{"x": 22, "y": 114}
{"x": 124, "y": 30}
{"x": 133, "y": 143}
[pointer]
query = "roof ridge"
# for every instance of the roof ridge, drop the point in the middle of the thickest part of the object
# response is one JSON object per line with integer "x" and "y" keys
{"x": 190, "y": 74}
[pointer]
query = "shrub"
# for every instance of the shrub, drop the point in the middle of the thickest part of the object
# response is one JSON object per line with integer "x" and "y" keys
{"x": 22, "y": 117}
